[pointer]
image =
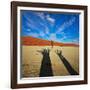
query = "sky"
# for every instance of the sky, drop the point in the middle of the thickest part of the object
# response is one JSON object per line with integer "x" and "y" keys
{"x": 59, "y": 27}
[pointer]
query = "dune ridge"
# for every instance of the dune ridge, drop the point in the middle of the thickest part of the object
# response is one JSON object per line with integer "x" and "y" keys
{"x": 32, "y": 41}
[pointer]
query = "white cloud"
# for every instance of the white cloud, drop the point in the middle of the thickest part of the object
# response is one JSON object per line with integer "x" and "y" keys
{"x": 28, "y": 29}
{"x": 53, "y": 37}
{"x": 66, "y": 25}
{"x": 41, "y": 15}
{"x": 61, "y": 28}
{"x": 42, "y": 34}
{"x": 52, "y": 20}
{"x": 31, "y": 23}
{"x": 47, "y": 31}
{"x": 64, "y": 37}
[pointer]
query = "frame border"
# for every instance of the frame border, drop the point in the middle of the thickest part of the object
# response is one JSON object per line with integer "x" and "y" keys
{"x": 14, "y": 5}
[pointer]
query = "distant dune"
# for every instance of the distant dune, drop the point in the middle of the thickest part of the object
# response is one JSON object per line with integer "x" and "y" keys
{"x": 31, "y": 41}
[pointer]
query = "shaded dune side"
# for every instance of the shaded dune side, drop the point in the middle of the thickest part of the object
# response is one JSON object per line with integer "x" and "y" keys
{"x": 31, "y": 41}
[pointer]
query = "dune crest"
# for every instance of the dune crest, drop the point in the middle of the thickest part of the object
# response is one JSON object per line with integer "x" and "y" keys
{"x": 32, "y": 41}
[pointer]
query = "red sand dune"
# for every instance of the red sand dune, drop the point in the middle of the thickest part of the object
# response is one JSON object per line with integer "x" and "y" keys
{"x": 31, "y": 41}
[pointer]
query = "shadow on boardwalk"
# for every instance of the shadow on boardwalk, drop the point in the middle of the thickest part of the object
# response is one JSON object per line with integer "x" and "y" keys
{"x": 46, "y": 69}
{"x": 66, "y": 63}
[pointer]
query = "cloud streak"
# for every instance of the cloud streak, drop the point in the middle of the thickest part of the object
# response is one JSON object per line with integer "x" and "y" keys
{"x": 65, "y": 25}
{"x": 51, "y": 20}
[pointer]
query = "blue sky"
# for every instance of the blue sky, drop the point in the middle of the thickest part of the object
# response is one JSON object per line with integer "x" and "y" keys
{"x": 60, "y": 27}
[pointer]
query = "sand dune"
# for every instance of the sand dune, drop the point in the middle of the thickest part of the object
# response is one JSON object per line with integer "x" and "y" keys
{"x": 31, "y": 41}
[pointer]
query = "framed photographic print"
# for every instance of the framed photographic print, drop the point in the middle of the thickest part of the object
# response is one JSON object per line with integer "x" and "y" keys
{"x": 48, "y": 44}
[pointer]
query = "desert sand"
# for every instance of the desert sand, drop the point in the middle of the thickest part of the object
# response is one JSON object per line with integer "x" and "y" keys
{"x": 32, "y": 60}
